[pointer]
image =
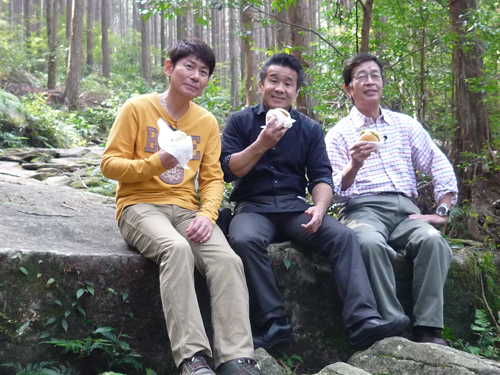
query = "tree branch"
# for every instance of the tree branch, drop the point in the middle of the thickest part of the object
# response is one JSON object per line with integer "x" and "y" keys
{"x": 412, "y": 52}
{"x": 299, "y": 27}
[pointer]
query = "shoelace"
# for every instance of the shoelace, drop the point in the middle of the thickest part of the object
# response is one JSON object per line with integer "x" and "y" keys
{"x": 250, "y": 365}
{"x": 196, "y": 363}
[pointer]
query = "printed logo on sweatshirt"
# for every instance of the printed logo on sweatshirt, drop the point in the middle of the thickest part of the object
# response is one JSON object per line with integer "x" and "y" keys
{"x": 173, "y": 176}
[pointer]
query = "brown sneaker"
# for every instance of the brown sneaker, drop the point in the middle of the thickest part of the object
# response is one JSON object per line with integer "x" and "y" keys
{"x": 196, "y": 365}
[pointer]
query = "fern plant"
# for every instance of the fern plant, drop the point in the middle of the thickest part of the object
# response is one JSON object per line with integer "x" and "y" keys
{"x": 43, "y": 368}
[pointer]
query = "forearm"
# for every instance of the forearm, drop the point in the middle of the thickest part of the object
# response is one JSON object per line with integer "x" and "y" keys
{"x": 322, "y": 196}
{"x": 349, "y": 176}
{"x": 129, "y": 171}
{"x": 242, "y": 162}
{"x": 446, "y": 199}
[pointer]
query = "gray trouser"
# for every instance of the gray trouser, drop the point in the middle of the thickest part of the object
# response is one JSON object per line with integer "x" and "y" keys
{"x": 159, "y": 233}
{"x": 383, "y": 228}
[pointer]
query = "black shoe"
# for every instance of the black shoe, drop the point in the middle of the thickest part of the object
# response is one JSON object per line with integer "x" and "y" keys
{"x": 365, "y": 333}
{"x": 277, "y": 332}
{"x": 428, "y": 334}
{"x": 239, "y": 366}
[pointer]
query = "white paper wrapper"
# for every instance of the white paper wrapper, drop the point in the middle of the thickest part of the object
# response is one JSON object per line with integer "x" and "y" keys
{"x": 182, "y": 150}
{"x": 281, "y": 115}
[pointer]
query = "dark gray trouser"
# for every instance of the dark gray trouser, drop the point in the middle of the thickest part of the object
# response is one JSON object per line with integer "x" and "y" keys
{"x": 383, "y": 228}
{"x": 251, "y": 233}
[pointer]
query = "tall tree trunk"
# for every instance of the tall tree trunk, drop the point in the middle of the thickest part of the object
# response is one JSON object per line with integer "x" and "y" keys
{"x": 37, "y": 7}
{"x": 98, "y": 13}
{"x": 75, "y": 53}
{"x": 198, "y": 27}
{"x": 299, "y": 15}
{"x": 90, "y": 34}
{"x": 145, "y": 48}
{"x": 171, "y": 38}
{"x": 105, "y": 16}
{"x": 242, "y": 44}
{"x": 154, "y": 39}
{"x": 182, "y": 24}
{"x": 52, "y": 14}
{"x": 135, "y": 17}
{"x": 283, "y": 35}
{"x": 233, "y": 56}
{"x": 421, "y": 106}
{"x": 367, "y": 22}
{"x": 121, "y": 18}
{"x": 163, "y": 39}
{"x": 69, "y": 12}
{"x": 27, "y": 26}
{"x": 214, "y": 22}
{"x": 471, "y": 112}
{"x": 251, "y": 63}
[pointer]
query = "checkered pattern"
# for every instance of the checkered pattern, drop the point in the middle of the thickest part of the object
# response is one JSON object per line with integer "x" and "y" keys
{"x": 408, "y": 149}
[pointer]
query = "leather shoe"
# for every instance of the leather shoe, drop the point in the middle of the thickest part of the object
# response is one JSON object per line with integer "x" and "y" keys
{"x": 276, "y": 333}
{"x": 365, "y": 333}
{"x": 427, "y": 334}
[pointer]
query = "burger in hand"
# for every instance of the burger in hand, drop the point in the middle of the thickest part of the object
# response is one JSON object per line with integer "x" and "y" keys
{"x": 369, "y": 135}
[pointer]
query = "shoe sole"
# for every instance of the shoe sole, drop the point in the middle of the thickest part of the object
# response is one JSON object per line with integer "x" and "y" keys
{"x": 276, "y": 341}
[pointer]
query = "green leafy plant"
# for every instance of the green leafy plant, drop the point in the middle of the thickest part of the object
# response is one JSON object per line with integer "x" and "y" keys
{"x": 104, "y": 347}
{"x": 290, "y": 363}
{"x": 43, "y": 368}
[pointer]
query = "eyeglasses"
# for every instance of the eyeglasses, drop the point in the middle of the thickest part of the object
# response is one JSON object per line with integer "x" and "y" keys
{"x": 363, "y": 77}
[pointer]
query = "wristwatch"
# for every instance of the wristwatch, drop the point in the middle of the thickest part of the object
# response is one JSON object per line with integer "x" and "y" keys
{"x": 443, "y": 210}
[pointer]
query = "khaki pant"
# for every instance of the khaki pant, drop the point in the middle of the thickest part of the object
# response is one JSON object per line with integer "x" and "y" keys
{"x": 159, "y": 233}
{"x": 383, "y": 228}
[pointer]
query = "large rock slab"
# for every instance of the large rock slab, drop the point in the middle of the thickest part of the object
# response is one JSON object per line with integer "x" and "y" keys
{"x": 400, "y": 356}
{"x": 71, "y": 236}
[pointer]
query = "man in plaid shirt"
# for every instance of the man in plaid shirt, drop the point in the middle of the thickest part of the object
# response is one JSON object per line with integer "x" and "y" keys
{"x": 377, "y": 188}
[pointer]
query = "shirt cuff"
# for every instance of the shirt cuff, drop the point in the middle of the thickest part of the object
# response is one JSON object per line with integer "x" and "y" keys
{"x": 326, "y": 180}
{"x": 229, "y": 176}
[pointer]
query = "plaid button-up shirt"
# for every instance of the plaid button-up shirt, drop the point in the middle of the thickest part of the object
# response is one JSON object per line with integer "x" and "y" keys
{"x": 407, "y": 149}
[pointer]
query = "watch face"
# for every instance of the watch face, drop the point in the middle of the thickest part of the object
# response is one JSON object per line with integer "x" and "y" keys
{"x": 442, "y": 211}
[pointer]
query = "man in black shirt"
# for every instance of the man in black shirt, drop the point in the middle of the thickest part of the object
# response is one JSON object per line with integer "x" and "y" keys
{"x": 272, "y": 166}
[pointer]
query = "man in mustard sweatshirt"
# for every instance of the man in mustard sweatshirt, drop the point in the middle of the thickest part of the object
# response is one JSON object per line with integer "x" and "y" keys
{"x": 159, "y": 213}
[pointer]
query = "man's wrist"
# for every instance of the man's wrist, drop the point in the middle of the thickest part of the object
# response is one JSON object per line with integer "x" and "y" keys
{"x": 443, "y": 210}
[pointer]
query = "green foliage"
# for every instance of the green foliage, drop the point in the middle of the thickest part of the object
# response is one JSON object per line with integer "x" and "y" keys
{"x": 114, "y": 349}
{"x": 216, "y": 100}
{"x": 488, "y": 337}
{"x": 488, "y": 333}
{"x": 65, "y": 324}
{"x": 46, "y": 126}
{"x": 291, "y": 363}
{"x": 42, "y": 368}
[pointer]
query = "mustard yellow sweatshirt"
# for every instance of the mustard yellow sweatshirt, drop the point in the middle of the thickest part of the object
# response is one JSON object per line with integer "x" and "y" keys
{"x": 131, "y": 158}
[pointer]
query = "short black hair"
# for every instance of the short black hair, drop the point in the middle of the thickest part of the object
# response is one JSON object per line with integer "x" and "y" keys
{"x": 286, "y": 60}
{"x": 193, "y": 46}
{"x": 355, "y": 61}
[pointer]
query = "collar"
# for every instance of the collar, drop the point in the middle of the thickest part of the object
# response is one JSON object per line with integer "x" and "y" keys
{"x": 261, "y": 108}
{"x": 359, "y": 120}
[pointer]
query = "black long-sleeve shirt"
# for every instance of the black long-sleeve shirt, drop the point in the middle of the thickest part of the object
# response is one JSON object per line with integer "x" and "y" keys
{"x": 278, "y": 181}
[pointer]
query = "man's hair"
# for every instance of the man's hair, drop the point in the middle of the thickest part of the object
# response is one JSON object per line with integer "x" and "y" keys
{"x": 287, "y": 61}
{"x": 193, "y": 46}
{"x": 354, "y": 62}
